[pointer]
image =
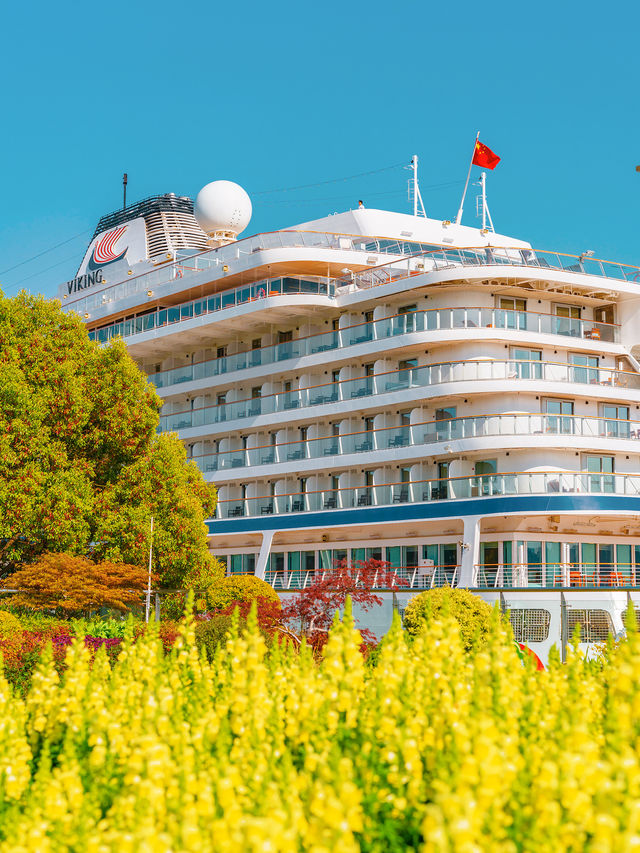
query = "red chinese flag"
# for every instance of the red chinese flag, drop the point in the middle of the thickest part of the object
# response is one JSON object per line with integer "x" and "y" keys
{"x": 484, "y": 156}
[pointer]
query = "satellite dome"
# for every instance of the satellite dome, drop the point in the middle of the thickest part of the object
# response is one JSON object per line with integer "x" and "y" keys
{"x": 223, "y": 210}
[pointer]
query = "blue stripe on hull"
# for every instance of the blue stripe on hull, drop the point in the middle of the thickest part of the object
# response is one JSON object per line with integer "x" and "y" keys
{"x": 506, "y": 504}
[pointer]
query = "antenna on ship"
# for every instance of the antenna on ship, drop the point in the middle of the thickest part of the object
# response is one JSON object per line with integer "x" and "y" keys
{"x": 482, "y": 208}
{"x": 124, "y": 190}
{"x": 418, "y": 206}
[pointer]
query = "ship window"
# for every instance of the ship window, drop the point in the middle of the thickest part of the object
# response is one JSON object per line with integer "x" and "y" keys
{"x": 221, "y": 352}
{"x": 522, "y": 354}
{"x": 285, "y": 337}
{"x": 595, "y": 625}
{"x": 368, "y": 369}
{"x": 256, "y": 392}
{"x": 509, "y": 304}
{"x": 446, "y": 413}
{"x": 599, "y": 464}
{"x": 601, "y": 477}
{"x": 368, "y": 316}
{"x": 615, "y": 422}
{"x": 570, "y": 311}
{"x": 558, "y": 407}
{"x": 256, "y": 343}
{"x": 555, "y": 422}
{"x": 530, "y": 626}
{"x": 407, "y": 309}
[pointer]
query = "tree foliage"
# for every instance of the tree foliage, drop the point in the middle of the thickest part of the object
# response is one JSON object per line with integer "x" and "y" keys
{"x": 81, "y": 466}
{"x": 311, "y": 611}
{"x": 76, "y": 585}
{"x": 472, "y": 614}
{"x": 240, "y": 589}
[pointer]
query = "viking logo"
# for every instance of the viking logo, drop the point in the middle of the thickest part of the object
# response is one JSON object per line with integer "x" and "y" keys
{"x": 103, "y": 253}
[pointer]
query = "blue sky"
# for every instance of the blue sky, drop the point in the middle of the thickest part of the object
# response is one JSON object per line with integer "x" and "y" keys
{"x": 277, "y": 95}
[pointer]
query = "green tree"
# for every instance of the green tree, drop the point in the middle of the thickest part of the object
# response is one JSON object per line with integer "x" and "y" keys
{"x": 82, "y": 468}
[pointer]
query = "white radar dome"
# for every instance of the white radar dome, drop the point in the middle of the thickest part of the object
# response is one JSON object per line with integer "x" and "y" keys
{"x": 222, "y": 208}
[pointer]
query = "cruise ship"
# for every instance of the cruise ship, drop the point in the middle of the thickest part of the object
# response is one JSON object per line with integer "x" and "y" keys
{"x": 376, "y": 384}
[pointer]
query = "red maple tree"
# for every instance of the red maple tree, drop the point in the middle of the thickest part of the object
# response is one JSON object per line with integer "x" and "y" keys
{"x": 310, "y": 612}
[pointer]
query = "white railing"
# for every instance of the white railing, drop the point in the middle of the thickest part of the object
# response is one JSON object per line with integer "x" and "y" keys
{"x": 556, "y": 574}
{"x": 444, "y": 259}
{"x": 433, "y": 319}
{"x": 400, "y": 380}
{"x": 424, "y": 491}
{"x": 187, "y": 264}
{"x": 430, "y": 432}
{"x": 402, "y": 577}
{"x": 257, "y": 292}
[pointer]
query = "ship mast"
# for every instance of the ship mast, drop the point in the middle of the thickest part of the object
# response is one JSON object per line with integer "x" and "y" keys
{"x": 418, "y": 206}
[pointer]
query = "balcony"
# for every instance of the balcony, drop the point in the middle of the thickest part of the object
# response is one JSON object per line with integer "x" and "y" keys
{"x": 418, "y": 377}
{"x": 406, "y": 577}
{"x": 435, "y": 319}
{"x": 425, "y": 491}
{"x": 445, "y": 259}
{"x": 162, "y": 317}
{"x": 551, "y": 575}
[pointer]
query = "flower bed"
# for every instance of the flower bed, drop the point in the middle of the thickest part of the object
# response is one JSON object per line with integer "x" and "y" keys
{"x": 432, "y": 749}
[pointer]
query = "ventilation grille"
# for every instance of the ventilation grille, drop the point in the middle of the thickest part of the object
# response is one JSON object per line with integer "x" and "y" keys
{"x": 168, "y": 231}
{"x": 595, "y": 625}
{"x": 170, "y": 223}
{"x": 530, "y": 626}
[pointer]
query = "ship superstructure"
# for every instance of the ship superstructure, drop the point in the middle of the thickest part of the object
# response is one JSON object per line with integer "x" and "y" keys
{"x": 378, "y": 384}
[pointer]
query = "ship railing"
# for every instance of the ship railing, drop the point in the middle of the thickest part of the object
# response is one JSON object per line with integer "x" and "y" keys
{"x": 256, "y": 292}
{"x": 420, "y": 433}
{"x": 556, "y": 574}
{"x": 424, "y": 491}
{"x": 401, "y": 577}
{"x": 443, "y": 259}
{"x": 399, "y": 380}
{"x": 431, "y": 320}
{"x": 187, "y": 263}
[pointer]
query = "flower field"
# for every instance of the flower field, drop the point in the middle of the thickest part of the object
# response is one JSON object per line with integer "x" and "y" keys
{"x": 427, "y": 749}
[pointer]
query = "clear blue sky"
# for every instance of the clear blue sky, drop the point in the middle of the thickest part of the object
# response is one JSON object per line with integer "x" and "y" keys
{"x": 276, "y": 95}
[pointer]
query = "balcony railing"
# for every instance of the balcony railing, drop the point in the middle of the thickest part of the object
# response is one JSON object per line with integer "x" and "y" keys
{"x": 407, "y": 577}
{"x": 400, "y": 380}
{"x": 444, "y": 259}
{"x": 424, "y": 491}
{"x": 188, "y": 263}
{"x": 429, "y": 432}
{"x": 434, "y": 319}
{"x": 549, "y": 574}
{"x": 258, "y": 291}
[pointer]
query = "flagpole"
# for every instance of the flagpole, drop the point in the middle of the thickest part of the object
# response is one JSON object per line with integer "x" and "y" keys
{"x": 466, "y": 183}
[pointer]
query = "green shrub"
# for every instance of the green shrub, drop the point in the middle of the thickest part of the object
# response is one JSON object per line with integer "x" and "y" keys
{"x": 472, "y": 614}
{"x": 245, "y": 588}
{"x": 211, "y": 633}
